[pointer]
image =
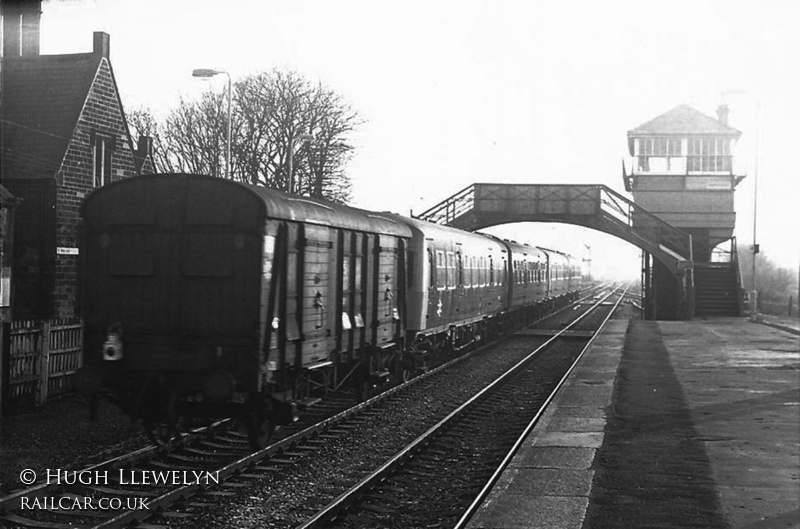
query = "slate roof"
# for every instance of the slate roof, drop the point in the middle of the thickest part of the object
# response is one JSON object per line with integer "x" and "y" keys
{"x": 42, "y": 100}
{"x": 684, "y": 120}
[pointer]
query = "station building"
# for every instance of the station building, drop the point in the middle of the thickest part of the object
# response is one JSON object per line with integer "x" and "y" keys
{"x": 64, "y": 133}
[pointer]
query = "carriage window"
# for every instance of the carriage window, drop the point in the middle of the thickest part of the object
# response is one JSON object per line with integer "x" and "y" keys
{"x": 460, "y": 264}
{"x": 441, "y": 270}
{"x": 491, "y": 270}
{"x": 474, "y": 273}
{"x": 431, "y": 270}
{"x": 451, "y": 270}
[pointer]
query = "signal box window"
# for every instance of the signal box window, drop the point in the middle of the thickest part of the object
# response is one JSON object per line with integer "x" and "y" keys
{"x": 709, "y": 154}
{"x": 103, "y": 145}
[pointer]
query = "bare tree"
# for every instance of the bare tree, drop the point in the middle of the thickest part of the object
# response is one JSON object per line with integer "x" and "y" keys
{"x": 331, "y": 120}
{"x": 142, "y": 123}
{"x": 271, "y": 111}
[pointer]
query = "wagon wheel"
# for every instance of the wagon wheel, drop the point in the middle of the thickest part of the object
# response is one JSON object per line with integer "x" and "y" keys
{"x": 364, "y": 390}
{"x": 169, "y": 427}
{"x": 259, "y": 428}
{"x": 161, "y": 433}
{"x": 158, "y": 433}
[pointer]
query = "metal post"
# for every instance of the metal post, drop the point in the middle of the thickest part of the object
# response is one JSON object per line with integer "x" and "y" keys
{"x": 291, "y": 164}
{"x": 228, "y": 145}
{"x": 754, "y": 292}
{"x": 44, "y": 364}
{"x": 207, "y": 73}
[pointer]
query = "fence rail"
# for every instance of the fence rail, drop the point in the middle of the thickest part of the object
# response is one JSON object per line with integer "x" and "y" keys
{"x": 42, "y": 358}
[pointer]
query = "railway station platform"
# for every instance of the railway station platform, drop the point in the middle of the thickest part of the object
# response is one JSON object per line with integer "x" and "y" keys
{"x": 665, "y": 425}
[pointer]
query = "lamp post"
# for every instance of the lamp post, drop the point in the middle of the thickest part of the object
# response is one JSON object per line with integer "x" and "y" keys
{"x": 755, "y": 249}
{"x": 207, "y": 73}
{"x": 303, "y": 139}
{"x": 754, "y": 295}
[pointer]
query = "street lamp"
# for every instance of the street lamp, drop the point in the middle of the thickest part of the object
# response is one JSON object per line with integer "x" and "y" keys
{"x": 753, "y": 292}
{"x": 303, "y": 139}
{"x": 207, "y": 73}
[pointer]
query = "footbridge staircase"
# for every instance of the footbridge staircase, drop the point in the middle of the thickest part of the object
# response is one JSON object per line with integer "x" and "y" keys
{"x": 593, "y": 206}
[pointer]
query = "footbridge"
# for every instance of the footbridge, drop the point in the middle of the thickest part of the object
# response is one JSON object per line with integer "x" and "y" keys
{"x": 593, "y": 206}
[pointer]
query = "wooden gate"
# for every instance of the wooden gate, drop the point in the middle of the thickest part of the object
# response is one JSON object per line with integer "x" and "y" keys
{"x": 42, "y": 358}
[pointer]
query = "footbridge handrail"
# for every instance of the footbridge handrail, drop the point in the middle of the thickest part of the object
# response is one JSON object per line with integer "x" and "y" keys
{"x": 450, "y": 208}
{"x": 645, "y": 223}
{"x": 605, "y": 204}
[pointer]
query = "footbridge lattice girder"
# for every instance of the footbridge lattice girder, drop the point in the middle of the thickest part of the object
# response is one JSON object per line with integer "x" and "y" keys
{"x": 593, "y": 206}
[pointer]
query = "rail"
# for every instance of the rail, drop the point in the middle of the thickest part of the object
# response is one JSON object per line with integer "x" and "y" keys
{"x": 492, "y": 481}
{"x": 346, "y": 499}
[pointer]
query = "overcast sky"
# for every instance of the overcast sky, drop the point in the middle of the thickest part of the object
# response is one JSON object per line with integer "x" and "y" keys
{"x": 457, "y": 92}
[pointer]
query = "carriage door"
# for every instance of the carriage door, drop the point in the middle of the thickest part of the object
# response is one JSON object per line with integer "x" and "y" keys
{"x": 292, "y": 299}
{"x": 346, "y": 281}
{"x": 316, "y": 317}
{"x": 387, "y": 297}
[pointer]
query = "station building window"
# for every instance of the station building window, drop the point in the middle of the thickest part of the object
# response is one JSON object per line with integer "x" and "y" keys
{"x": 103, "y": 145}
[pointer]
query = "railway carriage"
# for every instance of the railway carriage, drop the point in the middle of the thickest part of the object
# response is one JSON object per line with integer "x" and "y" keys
{"x": 529, "y": 272}
{"x": 457, "y": 280}
{"x": 564, "y": 274}
{"x": 204, "y": 297}
{"x": 211, "y": 297}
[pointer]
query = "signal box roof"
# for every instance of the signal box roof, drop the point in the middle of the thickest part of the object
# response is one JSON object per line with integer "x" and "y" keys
{"x": 684, "y": 120}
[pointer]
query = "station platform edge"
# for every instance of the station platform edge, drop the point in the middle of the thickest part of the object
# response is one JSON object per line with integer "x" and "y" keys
{"x": 664, "y": 424}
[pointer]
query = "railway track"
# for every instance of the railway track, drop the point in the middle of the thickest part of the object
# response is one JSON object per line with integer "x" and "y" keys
{"x": 220, "y": 457}
{"x": 442, "y": 476}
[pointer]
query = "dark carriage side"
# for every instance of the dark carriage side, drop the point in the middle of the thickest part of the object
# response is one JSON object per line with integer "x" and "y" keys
{"x": 205, "y": 297}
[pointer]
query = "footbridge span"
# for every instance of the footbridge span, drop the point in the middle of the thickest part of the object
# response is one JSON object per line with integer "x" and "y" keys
{"x": 593, "y": 206}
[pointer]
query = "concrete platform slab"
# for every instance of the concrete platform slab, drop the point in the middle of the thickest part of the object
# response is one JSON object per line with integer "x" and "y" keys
{"x": 690, "y": 424}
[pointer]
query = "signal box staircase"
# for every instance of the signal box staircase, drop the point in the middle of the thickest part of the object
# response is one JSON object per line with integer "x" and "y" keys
{"x": 718, "y": 287}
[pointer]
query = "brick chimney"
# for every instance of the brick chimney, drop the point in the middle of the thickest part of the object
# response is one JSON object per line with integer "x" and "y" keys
{"x": 21, "y": 19}
{"x": 144, "y": 147}
{"x": 102, "y": 44}
{"x": 722, "y": 113}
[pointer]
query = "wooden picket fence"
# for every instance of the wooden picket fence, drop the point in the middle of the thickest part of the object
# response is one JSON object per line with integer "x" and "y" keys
{"x": 43, "y": 357}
